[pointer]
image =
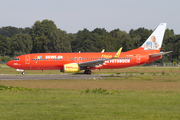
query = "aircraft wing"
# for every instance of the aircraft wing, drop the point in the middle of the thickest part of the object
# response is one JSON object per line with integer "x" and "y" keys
{"x": 92, "y": 63}
{"x": 158, "y": 54}
{"x": 99, "y": 62}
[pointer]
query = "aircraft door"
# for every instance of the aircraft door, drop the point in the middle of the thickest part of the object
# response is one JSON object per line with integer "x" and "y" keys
{"x": 80, "y": 59}
{"x": 75, "y": 59}
{"x": 27, "y": 59}
{"x": 138, "y": 58}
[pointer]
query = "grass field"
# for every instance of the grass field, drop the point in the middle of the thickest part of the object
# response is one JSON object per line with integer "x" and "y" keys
{"x": 50, "y": 104}
{"x": 142, "y": 93}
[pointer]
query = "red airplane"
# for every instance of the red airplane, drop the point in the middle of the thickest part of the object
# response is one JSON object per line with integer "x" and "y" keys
{"x": 74, "y": 62}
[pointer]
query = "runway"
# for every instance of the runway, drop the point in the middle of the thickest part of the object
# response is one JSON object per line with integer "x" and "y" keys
{"x": 49, "y": 77}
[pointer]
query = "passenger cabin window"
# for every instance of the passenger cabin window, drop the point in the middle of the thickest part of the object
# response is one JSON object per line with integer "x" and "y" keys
{"x": 16, "y": 59}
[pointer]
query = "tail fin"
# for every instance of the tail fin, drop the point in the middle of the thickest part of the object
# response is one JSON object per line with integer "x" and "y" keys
{"x": 154, "y": 41}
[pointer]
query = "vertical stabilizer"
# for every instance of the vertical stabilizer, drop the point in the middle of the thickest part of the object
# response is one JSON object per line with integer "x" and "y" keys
{"x": 154, "y": 41}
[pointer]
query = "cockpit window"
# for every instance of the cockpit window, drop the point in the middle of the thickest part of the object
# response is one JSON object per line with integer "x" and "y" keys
{"x": 16, "y": 59}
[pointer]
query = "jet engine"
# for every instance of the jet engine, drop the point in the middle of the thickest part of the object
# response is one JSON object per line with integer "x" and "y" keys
{"x": 71, "y": 68}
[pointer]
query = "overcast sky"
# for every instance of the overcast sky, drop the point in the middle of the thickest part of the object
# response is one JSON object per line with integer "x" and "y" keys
{"x": 74, "y": 15}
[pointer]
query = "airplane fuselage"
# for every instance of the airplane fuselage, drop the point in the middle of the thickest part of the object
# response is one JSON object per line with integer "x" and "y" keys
{"x": 56, "y": 61}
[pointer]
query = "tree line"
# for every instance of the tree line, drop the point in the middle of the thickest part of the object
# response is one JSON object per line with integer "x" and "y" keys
{"x": 44, "y": 36}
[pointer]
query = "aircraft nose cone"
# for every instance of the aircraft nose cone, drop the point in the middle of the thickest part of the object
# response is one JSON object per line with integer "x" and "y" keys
{"x": 8, "y": 63}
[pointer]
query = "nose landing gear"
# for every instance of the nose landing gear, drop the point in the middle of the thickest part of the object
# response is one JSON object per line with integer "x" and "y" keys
{"x": 21, "y": 70}
{"x": 23, "y": 73}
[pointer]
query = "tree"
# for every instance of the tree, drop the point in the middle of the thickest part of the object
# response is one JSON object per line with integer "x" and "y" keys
{"x": 100, "y": 31}
{"x": 123, "y": 39}
{"x": 108, "y": 43}
{"x": 10, "y": 31}
{"x": 21, "y": 44}
{"x": 140, "y": 35}
{"x": 58, "y": 41}
{"x": 40, "y": 32}
{"x": 4, "y": 45}
{"x": 86, "y": 41}
{"x": 39, "y": 43}
{"x": 176, "y": 48}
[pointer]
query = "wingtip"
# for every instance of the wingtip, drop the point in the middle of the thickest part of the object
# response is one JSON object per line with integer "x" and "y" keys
{"x": 118, "y": 53}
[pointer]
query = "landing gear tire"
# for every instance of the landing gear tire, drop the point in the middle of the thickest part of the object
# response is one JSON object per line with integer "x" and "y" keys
{"x": 87, "y": 72}
{"x": 23, "y": 73}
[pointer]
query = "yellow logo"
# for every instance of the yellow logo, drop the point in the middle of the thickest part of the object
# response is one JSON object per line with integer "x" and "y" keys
{"x": 106, "y": 56}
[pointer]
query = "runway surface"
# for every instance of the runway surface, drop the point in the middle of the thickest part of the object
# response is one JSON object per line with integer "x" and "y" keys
{"x": 49, "y": 77}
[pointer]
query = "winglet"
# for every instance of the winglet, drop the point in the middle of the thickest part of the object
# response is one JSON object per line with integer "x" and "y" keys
{"x": 103, "y": 51}
{"x": 117, "y": 54}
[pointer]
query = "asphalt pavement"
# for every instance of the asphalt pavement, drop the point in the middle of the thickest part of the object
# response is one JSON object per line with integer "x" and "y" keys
{"x": 49, "y": 77}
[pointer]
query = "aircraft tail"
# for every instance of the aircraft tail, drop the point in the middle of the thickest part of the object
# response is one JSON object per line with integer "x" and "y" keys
{"x": 154, "y": 42}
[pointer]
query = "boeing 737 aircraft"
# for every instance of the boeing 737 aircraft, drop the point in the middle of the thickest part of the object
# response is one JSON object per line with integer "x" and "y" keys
{"x": 74, "y": 62}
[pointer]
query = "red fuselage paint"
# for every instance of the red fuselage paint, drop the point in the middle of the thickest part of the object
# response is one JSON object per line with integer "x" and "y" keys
{"x": 56, "y": 61}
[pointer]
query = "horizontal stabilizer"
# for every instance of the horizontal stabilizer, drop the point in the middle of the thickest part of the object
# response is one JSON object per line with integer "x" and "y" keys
{"x": 159, "y": 54}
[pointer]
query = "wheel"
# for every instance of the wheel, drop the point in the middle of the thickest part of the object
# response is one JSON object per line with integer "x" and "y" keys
{"x": 89, "y": 72}
{"x": 85, "y": 72}
{"x": 23, "y": 73}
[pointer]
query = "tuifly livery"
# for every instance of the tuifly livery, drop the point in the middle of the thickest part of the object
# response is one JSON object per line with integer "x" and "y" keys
{"x": 87, "y": 61}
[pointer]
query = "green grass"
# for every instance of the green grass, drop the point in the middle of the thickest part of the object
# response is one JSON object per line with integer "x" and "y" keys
{"x": 47, "y": 104}
{"x": 11, "y": 88}
{"x": 2, "y": 65}
{"x": 142, "y": 93}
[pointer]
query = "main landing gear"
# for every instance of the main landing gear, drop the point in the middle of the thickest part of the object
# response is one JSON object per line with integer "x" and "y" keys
{"x": 88, "y": 71}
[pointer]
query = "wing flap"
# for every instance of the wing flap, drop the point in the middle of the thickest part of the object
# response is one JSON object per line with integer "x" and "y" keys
{"x": 92, "y": 63}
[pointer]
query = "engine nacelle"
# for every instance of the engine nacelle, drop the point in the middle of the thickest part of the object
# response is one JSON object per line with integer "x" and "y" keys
{"x": 71, "y": 68}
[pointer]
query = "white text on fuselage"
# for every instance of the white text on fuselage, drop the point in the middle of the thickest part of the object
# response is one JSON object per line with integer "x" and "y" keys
{"x": 54, "y": 57}
{"x": 118, "y": 61}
